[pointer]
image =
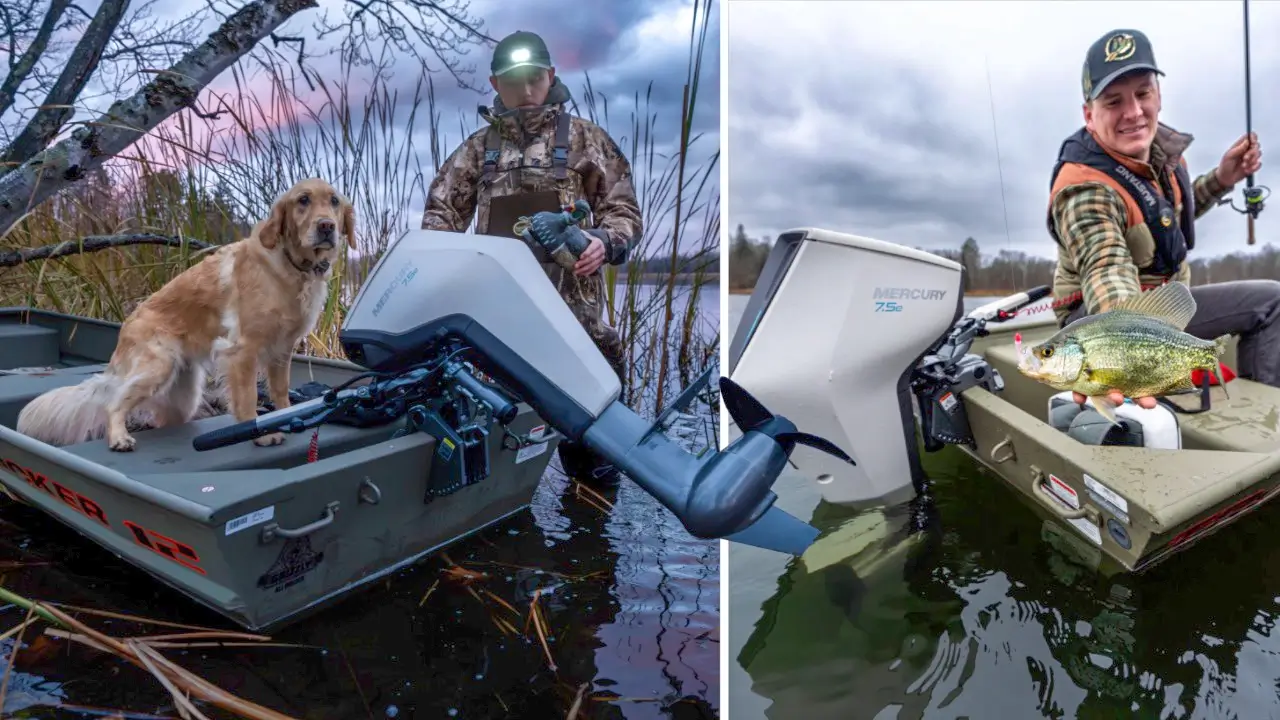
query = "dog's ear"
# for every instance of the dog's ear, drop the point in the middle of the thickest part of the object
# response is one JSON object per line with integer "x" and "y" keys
{"x": 349, "y": 223}
{"x": 276, "y": 225}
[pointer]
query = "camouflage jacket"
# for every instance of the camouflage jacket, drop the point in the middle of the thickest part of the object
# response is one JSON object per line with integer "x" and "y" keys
{"x": 597, "y": 172}
{"x": 1101, "y": 258}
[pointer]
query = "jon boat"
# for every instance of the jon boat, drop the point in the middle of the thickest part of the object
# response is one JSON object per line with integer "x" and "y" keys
{"x": 440, "y": 423}
{"x": 867, "y": 343}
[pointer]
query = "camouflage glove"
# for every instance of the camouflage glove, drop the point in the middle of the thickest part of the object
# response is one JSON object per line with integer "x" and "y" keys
{"x": 559, "y": 234}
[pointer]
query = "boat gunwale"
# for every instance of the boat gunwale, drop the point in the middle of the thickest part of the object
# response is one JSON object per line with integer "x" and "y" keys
{"x": 106, "y": 476}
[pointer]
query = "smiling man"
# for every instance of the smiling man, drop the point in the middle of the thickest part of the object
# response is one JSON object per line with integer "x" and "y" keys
{"x": 1123, "y": 206}
{"x": 533, "y": 156}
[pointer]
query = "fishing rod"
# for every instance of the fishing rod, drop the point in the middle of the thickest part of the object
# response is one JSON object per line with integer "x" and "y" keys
{"x": 1253, "y": 195}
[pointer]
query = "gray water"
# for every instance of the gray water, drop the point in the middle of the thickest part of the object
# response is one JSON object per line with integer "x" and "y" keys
{"x": 981, "y": 618}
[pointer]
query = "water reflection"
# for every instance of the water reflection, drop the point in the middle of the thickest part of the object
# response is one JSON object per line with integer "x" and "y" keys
{"x": 988, "y": 615}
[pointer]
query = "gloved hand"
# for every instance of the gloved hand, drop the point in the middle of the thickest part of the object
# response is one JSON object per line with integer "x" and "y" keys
{"x": 559, "y": 234}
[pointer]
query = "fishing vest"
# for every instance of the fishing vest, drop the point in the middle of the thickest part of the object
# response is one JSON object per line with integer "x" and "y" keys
{"x": 1158, "y": 241}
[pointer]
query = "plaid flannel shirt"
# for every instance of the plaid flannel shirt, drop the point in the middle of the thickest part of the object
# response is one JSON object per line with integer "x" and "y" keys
{"x": 1094, "y": 258}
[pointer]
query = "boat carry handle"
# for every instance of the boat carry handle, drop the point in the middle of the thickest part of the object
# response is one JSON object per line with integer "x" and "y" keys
{"x": 1042, "y": 495}
{"x": 272, "y": 531}
{"x": 1005, "y": 444}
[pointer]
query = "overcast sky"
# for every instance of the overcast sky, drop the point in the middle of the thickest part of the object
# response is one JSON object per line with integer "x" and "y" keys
{"x": 626, "y": 47}
{"x": 874, "y": 118}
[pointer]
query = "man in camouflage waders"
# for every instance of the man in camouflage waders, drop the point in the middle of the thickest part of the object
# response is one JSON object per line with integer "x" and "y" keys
{"x": 534, "y": 156}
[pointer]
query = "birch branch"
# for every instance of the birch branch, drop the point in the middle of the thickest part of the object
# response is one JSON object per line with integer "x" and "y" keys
{"x": 126, "y": 121}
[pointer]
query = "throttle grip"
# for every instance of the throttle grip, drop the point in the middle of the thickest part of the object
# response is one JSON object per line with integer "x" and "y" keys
{"x": 504, "y": 411}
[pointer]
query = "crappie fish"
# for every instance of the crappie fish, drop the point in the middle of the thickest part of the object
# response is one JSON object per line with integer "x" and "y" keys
{"x": 1139, "y": 347}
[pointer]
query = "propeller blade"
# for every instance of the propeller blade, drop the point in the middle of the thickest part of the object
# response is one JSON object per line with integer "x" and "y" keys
{"x": 779, "y": 531}
{"x": 746, "y": 411}
{"x": 815, "y": 442}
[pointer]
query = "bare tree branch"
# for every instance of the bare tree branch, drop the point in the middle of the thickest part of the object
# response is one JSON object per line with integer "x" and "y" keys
{"x": 126, "y": 121}
{"x": 94, "y": 243}
{"x": 445, "y": 28}
{"x": 142, "y": 43}
{"x": 58, "y": 107}
{"x": 19, "y": 70}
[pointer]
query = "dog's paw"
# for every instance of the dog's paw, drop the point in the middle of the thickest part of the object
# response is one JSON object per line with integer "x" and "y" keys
{"x": 122, "y": 444}
{"x": 274, "y": 438}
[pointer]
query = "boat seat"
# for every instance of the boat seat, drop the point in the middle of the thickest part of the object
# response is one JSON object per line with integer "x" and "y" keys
{"x": 1155, "y": 428}
{"x": 27, "y": 345}
{"x": 19, "y": 388}
{"x": 168, "y": 450}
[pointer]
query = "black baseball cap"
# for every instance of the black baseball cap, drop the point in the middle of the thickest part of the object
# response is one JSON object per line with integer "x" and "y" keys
{"x": 520, "y": 49}
{"x": 1114, "y": 54}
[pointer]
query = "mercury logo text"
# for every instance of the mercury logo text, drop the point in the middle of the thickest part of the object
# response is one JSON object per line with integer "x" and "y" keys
{"x": 906, "y": 293}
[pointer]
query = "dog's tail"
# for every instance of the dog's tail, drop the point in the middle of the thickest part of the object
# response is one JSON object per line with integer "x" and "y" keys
{"x": 69, "y": 415}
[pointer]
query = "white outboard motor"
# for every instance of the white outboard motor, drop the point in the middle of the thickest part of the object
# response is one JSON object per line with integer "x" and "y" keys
{"x": 441, "y": 309}
{"x": 832, "y": 337}
{"x": 1139, "y": 427}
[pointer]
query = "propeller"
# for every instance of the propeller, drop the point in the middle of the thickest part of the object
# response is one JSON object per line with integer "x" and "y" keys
{"x": 750, "y": 416}
{"x": 773, "y": 436}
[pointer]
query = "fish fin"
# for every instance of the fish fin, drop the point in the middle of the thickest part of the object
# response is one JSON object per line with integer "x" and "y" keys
{"x": 1220, "y": 347}
{"x": 1171, "y": 303}
{"x": 1104, "y": 407}
{"x": 1220, "y": 343}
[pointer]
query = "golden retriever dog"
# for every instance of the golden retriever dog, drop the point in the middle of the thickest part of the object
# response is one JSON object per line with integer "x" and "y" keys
{"x": 243, "y": 307}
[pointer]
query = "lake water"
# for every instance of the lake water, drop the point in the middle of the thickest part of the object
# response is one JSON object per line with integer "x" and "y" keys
{"x": 982, "y": 619}
{"x": 631, "y": 602}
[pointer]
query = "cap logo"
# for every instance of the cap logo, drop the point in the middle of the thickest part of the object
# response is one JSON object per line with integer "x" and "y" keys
{"x": 1120, "y": 47}
{"x": 520, "y": 55}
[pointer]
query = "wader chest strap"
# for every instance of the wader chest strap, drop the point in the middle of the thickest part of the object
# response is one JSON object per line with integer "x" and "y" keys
{"x": 492, "y": 148}
{"x": 560, "y": 156}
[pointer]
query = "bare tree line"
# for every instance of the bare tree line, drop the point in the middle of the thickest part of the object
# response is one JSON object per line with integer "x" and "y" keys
{"x": 1010, "y": 270}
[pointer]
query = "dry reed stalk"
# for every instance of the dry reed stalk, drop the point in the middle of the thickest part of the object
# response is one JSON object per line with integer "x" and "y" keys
{"x": 179, "y": 676}
{"x": 17, "y": 643}
{"x": 132, "y": 618}
{"x": 535, "y": 612}
{"x": 500, "y": 601}
{"x": 577, "y": 702}
{"x": 68, "y": 635}
{"x": 181, "y": 702}
{"x": 602, "y": 499}
{"x": 427, "y": 594}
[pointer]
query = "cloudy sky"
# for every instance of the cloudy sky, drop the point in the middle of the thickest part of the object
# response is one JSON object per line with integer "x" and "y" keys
{"x": 875, "y": 118}
{"x": 627, "y": 48}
